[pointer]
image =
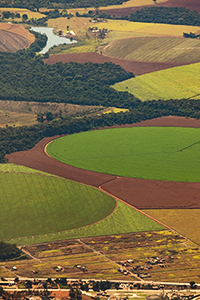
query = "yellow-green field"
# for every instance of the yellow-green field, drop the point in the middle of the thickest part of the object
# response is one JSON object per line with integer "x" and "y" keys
{"x": 179, "y": 219}
{"x": 175, "y": 83}
{"x": 148, "y": 28}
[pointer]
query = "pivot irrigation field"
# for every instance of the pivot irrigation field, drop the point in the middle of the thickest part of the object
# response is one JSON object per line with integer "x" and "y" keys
{"x": 175, "y": 83}
{"x": 159, "y": 153}
{"x": 40, "y": 204}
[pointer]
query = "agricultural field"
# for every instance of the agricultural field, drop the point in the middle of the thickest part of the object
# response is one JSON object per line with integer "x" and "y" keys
{"x": 175, "y": 83}
{"x": 152, "y": 49}
{"x": 102, "y": 256}
{"x": 18, "y": 30}
{"x": 178, "y": 219}
{"x": 133, "y": 221}
{"x": 159, "y": 153}
{"x": 29, "y": 201}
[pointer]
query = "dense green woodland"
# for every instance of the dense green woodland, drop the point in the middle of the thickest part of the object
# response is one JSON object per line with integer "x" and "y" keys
{"x": 8, "y": 251}
{"x": 24, "y": 76}
{"x": 165, "y": 15}
{"x": 37, "y": 4}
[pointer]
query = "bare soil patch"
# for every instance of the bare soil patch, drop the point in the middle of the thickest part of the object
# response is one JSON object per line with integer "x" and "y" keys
{"x": 12, "y": 42}
{"x": 136, "y": 67}
{"x": 189, "y": 4}
{"x": 136, "y": 192}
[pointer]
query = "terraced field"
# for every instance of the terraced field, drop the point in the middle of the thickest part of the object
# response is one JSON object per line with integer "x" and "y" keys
{"x": 152, "y": 49}
{"x": 175, "y": 83}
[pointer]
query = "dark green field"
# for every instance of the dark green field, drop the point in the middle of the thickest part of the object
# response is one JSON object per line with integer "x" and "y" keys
{"x": 160, "y": 153}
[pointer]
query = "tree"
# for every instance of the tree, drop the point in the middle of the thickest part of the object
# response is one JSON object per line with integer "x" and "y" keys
{"x": 24, "y": 17}
{"x": 49, "y": 116}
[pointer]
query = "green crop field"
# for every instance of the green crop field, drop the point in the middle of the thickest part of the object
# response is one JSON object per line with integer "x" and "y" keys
{"x": 175, "y": 83}
{"x": 124, "y": 219}
{"x": 160, "y": 153}
{"x": 155, "y": 49}
{"x": 37, "y": 204}
{"x": 179, "y": 219}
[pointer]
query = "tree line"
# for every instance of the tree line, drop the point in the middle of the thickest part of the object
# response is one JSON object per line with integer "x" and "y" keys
{"x": 164, "y": 15}
{"x": 37, "y": 4}
{"x": 9, "y": 251}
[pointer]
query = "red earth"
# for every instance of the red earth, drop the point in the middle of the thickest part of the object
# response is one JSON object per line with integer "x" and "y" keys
{"x": 136, "y": 67}
{"x": 139, "y": 193}
{"x": 189, "y": 4}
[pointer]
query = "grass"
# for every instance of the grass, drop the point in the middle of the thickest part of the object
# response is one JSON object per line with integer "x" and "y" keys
{"x": 16, "y": 119}
{"x": 32, "y": 205}
{"x": 12, "y": 168}
{"x": 183, "y": 82}
{"x": 155, "y": 49}
{"x": 123, "y": 220}
{"x": 178, "y": 219}
{"x": 161, "y": 153}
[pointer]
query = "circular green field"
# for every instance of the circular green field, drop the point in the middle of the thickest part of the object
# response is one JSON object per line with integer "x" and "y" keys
{"x": 37, "y": 205}
{"x": 161, "y": 153}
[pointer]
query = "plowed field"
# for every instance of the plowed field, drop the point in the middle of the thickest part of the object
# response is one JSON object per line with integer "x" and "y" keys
{"x": 136, "y": 67}
{"x": 11, "y": 42}
{"x": 132, "y": 191}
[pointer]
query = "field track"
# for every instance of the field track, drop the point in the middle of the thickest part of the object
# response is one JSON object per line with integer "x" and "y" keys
{"x": 189, "y": 4}
{"x": 136, "y": 67}
{"x": 137, "y": 192}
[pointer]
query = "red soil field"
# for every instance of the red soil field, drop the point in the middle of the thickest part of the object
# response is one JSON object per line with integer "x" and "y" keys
{"x": 12, "y": 42}
{"x": 140, "y": 193}
{"x": 137, "y": 68}
{"x": 189, "y": 4}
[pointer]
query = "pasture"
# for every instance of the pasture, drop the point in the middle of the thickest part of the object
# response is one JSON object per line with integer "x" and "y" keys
{"x": 154, "y": 49}
{"x": 184, "y": 221}
{"x": 32, "y": 205}
{"x": 160, "y": 153}
{"x": 175, "y": 83}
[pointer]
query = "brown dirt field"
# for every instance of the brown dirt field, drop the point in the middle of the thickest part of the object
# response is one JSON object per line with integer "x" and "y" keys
{"x": 137, "y": 68}
{"x": 12, "y": 42}
{"x": 189, "y": 4}
{"x": 137, "y": 192}
{"x": 18, "y": 29}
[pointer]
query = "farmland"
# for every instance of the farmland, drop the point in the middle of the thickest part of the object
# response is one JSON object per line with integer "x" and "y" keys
{"x": 151, "y": 153}
{"x": 183, "y": 82}
{"x": 101, "y": 257}
{"x": 29, "y": 201}
{"x": 178, "y": 219}
{"x": 152, "y": 49}
{"x": 17, "y": 30}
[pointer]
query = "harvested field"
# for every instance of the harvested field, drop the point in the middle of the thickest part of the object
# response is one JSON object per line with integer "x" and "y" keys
{"x": 189, "y": 4}
{"x": 11, "y": 42}
{"x": 136, "y": 67}
{"x": 155, "y": 49}
{"x": 37, "y": 159}
{"x": 18, "y": 30}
